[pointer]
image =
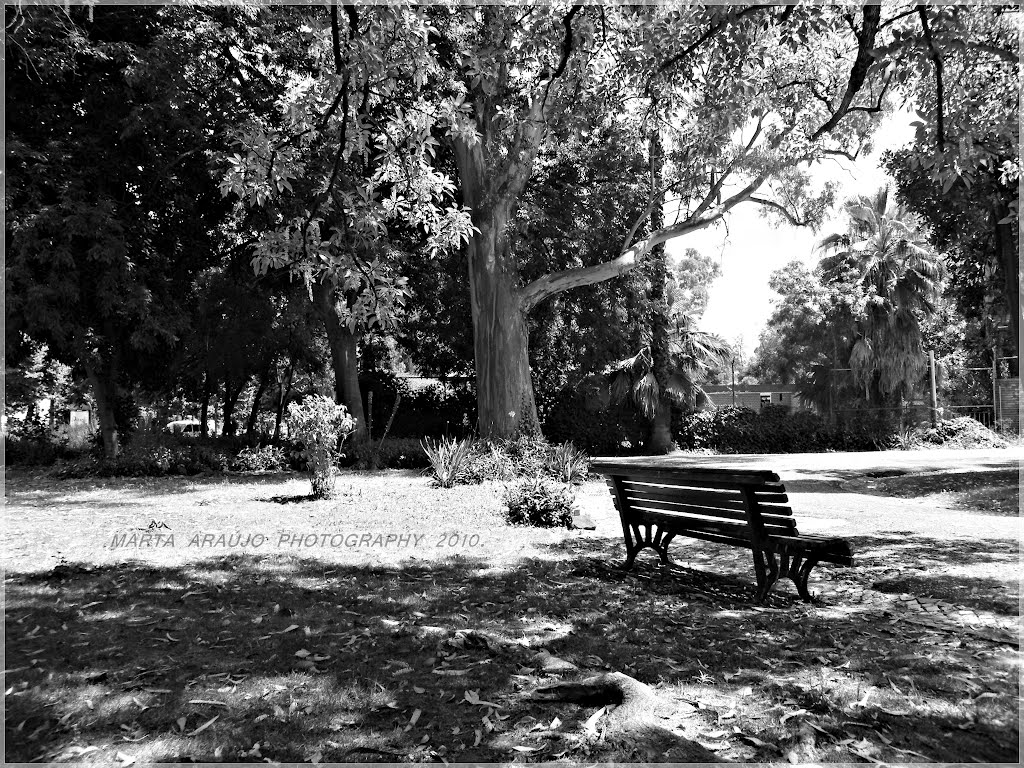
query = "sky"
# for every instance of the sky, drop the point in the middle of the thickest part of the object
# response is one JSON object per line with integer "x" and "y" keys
{"x": 749, "y": 248}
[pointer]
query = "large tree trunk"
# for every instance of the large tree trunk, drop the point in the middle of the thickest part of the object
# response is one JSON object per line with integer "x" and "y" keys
{"x": 284, "y": 387}
{"x": 660, "y": 436}
{"x": 344, "y": 345}
{"x": 504, "y": 386}
{"x": 254, "y": 412}
{"x": 505, "y": 401}
{"x": 104, "y": 388}
{"x": 230, "y": 401}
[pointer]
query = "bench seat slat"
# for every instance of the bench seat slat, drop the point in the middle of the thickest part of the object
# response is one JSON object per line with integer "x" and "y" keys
{"x": 831, "y": 550}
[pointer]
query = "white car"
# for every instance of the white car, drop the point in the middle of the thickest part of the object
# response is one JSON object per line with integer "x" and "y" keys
{"x": 187, "y": 427}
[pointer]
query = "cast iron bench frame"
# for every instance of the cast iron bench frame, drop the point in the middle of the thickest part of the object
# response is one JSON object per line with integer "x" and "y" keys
{"x": 740, "y": 507}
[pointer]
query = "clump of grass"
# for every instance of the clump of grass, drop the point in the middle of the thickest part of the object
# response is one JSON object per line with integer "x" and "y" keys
{"x": 568, "y": 464}
{"x": 448, "y": 458}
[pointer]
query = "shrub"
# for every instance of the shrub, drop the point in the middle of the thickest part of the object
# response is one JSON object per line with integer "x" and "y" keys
{"x": 33, "y": 452}
{"x": 540, "y": 503}
{"x": 775, "y": 430}
{"x": 610, "y": 431}
{"x": 488, "y": 462}
{"x": 435, "y": 411}
{"x": 568, "y": 464}
{"x": 448, "y": 459}
{"x": 259, "y": 459}
{"x": 962, "y": 432}
{"x": 31, "y": 443}
{"x": 150, "y": 460}
{"x": 391, "y": 453}
{"x": 320, "y": 425}
{"x": 527, "y": 456}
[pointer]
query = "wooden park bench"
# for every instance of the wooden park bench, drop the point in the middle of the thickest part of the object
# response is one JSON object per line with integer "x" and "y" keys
{"x": 740, "y": 507}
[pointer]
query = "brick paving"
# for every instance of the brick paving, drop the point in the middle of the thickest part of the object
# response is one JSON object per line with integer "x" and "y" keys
{"x": 923, "y": 611}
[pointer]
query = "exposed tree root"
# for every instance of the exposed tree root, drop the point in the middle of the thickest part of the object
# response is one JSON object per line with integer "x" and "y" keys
{"x": 630, "y": 729}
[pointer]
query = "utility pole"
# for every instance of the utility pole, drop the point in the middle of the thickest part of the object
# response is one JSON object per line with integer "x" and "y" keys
{"x": 935, "y": 402}
{"x": 732, "y": 364}
{"x": 995, "y": 388}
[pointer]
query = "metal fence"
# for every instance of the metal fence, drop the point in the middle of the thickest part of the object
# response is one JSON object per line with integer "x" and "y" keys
{"x": 982, "y": 413}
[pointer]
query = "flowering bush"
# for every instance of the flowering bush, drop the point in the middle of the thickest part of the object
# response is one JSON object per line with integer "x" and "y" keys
{"x": 321, "y": 425}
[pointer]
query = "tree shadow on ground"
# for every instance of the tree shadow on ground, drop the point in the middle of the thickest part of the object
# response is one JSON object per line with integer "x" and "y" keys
{"x": 248, "y": 658}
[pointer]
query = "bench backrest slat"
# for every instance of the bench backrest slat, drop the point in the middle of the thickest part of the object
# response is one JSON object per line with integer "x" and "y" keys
{"x": 726, "y": 497}
{"x": 744, "y": 506}
{"x": 680, "y": 520}
{"x": 695, "y": 510}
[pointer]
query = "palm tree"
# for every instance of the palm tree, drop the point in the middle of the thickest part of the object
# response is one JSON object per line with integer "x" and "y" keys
{"x": 692, "y": 354}
{"x": 885, "y": 259}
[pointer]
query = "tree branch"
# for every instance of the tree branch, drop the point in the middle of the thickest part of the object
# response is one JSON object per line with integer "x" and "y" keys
{"x": 859, "y": 71}
{"x": 940, "y": 132}
{"x": 794, "y": 220}
{"x": 556, "y": 282}
{"x": 566, "y": 52}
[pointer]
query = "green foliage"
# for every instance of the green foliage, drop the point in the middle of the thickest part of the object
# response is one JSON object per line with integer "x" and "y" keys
{"x": 775, "y": 430}
{"x": 448, "y": 459}
{"x": 265, "y": 458}
{"x": 568, "y": 464}
{"x": 540, "y": 503}
{"x": 111, "y": 211}
{"x": 577, "y": 417}
{"x": 391, "y": 453}
{"x": 144, "y": 458}
{"x": 692, "y": 354}
{"x": 35, "y": 451}
{"x": 962, "y": 432}
{"x": 440, "y": 409}
{"x": 320, "y": 425}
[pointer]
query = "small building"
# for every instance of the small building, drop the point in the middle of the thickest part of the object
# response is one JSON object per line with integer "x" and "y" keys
{"x": 754, "y": 396}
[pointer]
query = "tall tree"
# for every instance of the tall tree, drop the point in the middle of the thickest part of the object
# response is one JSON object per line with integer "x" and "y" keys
{"x": 341, "y": 172}
{"x": 884, "y": 255}
{"x": 110, "y": 209}
{"x": 961, "y": 67}
{"x": 690, "y": 283}
{"x": 733, "y": 83}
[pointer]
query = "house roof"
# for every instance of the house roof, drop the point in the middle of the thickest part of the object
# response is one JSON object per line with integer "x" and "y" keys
{"x": 719, "y": 388}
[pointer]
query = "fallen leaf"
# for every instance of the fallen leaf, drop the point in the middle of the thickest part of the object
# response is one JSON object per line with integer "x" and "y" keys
{"x": 591, "y": 725}
{"x": 205, "y": 725}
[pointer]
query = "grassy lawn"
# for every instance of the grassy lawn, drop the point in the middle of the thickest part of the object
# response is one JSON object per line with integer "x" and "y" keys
{"x": 370, "y": 650}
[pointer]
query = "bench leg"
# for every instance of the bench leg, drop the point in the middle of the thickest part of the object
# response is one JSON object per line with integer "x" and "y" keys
{"x": 799, "y": 572}
{"x": 766, "y": 569}
{"x": 795, "y": 568}
{"x": 653, "y": 537}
